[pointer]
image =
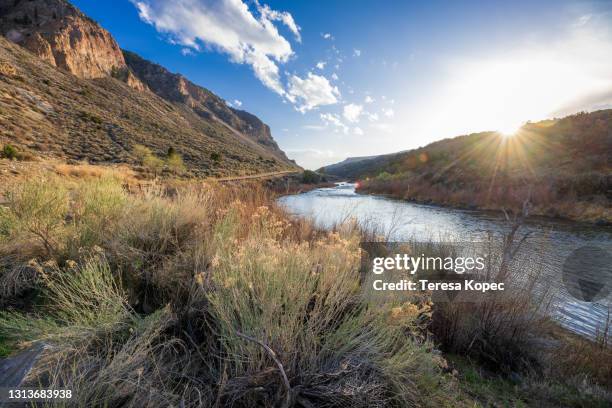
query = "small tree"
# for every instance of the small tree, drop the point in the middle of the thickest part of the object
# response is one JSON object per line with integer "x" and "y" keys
{"x": 9, "y": 152}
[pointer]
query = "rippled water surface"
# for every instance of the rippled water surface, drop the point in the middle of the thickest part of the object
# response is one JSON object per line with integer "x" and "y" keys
{"x": 402, "y": 220}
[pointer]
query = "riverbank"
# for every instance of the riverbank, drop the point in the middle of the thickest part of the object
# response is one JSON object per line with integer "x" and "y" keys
{"x": 597, "y": 213}
{"x": 189, "y": 294}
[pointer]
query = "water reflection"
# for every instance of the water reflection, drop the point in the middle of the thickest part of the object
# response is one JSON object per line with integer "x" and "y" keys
{"x": 402, "y": 221}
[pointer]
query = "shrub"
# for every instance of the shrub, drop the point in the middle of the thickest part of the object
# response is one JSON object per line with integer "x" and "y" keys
{"x": 310, "y": 177}
{"x": 148, "y": 159}
{"x": 38, "y": 209}
{"x": 9, "y": 152}
{"x": 174, "y": 161}
{"x": 80, "y": 303}
{"x": 215, "y": 157}
{"x": 501, "y": 329}
{"x": 209, "y": 296}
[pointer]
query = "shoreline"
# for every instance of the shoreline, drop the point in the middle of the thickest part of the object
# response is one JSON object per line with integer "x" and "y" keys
{"x": 602, "y": 223}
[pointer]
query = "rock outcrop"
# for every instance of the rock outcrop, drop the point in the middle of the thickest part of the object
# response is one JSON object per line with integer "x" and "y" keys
{"x": 60, "y": 34}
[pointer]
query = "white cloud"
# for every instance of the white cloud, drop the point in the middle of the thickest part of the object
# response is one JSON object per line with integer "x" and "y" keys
{"x": 334, "y": 120}
{"x": 388, "y": 112}
{"x": 352, "y": 112}
{"x": 229, "y": 26}
{"x": 358, "y": 131}
{"x": 321, "y": 64}
{"x": 286, "y": 18}
{"x": 357, "y": 53}
{"x": 237, "y": 103}
{"x": 369, "y": 99}
{"x": 327, "y": 36}
{"x": 311, "y": 92}
{"x": 335, "y": 76}
{"x": 187, "y": 51}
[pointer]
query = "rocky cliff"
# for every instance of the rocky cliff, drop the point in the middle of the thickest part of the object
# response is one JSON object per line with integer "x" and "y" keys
{"x": 60, "y": 34}
{"x": 176, "y": 88}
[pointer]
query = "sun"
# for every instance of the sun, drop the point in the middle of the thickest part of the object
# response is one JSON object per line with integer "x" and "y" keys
{"x": 510, "y": 129}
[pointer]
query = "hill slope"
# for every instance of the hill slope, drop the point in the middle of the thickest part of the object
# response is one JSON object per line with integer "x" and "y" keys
{"x": 177, "y": 88}
{"x": 563, "y": 165}
{"x": 75, "y": 95}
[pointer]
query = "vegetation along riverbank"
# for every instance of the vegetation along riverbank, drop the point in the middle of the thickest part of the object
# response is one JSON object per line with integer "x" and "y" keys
{"x": 196, "y": 294}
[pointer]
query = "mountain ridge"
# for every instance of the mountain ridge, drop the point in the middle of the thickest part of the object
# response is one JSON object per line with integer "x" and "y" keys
{"x": 58, "y": 33}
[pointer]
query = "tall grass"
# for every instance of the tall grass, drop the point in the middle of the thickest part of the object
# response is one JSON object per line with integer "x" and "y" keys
{"x": 201, "y": 296}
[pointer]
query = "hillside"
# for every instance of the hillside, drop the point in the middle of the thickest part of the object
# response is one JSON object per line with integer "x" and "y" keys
{"x": 563, "y": 165}
{"x": 177, "y": 88}
{"x": 75, "y": 95}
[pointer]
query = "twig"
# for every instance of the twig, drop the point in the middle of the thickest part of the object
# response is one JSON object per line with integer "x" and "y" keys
{"x": 276, "y": 361}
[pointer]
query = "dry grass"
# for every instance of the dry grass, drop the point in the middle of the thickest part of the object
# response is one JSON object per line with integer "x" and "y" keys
{"x": 161, "y": 299}
{"x": 209, "y": 295}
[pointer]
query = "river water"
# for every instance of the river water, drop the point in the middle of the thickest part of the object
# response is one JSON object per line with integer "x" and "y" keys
{"x": 406, "y": 221}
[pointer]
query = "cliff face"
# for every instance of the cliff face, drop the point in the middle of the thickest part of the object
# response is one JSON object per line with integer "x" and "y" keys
{"x": 177, "y": 88}
{"x": 60, "y": 34}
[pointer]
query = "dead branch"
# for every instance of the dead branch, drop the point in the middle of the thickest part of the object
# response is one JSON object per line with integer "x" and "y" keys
{"x": 276, "y": 361}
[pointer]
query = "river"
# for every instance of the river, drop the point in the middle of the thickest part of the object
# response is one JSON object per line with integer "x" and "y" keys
{"x": 404, "y": 221}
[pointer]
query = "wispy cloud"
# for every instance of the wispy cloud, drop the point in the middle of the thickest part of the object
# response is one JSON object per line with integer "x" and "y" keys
{"x": 286, "y": 18}
{"x": 321, "y": 64}
{"x": 335, "y": 121}
{"x": 356, "y": 53}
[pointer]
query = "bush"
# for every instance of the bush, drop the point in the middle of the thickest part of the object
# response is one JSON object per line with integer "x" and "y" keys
{"x": 310, "y": 177}
{"x": 37, "y": 211}
{"x": 215, "y": 157}
{"x": 174, "y": 161}
{"x": 208, "y": 296}
{"x": 9, "y": 152}
{"x": 502, "y": 329}
{"x": 148, "y": 159}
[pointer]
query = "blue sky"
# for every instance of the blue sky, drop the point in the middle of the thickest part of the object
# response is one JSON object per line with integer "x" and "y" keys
{"x": 352, "y": 78}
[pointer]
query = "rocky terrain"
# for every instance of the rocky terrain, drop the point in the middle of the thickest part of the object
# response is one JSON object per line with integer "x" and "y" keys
{"x": 68, "y": 90}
